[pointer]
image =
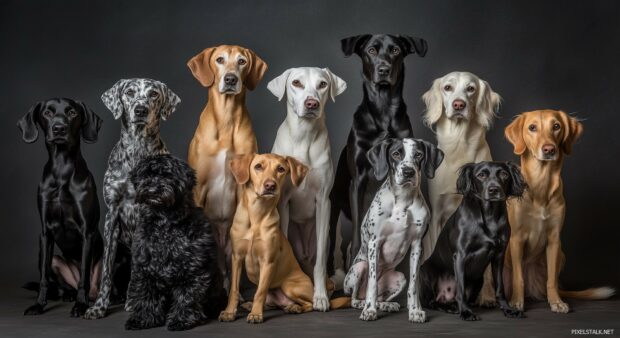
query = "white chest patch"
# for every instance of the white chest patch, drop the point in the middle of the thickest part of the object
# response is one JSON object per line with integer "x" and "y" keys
{"x": 221, "y": 189}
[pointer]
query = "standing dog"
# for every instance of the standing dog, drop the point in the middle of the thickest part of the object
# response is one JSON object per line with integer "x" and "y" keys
{"x": 258, "y": 241}
{"x": 475, "y": 236}
{"x": 535, "y": 256}
{"x": 303, "y": 135}
{"x": 381, "y": 115}
{"x": 461, "y": 107}
{"x": 224, "y": 130}
{"x": 141, "y": 104}
{"x": 396, "y": 221}
{"x": 67, "y": 200}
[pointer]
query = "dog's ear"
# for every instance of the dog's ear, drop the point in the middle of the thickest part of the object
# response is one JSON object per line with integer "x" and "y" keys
{"x": 257, "y": 70}
{"x": 169, "y": 105}
{"x": 298, "y": 170}
{"x": 336, "y": 85}
{"x": 377, "y": 156}
{"x": 464, "y": 184}
{"x": 277, "y": 86}
{"x": 413, "y": 45}
{"x": 433, "y": 157}
{"x": 91, "y": 123}
{"x": 572, "y": 131}
{"x": 514, "y": 134}
{"x": 200, "y": 67}
{"x": 487, "y": 104}
{"x": 28, "y": 123}
{"x": 518, "y": 184}
{"x": 240, "y": 167}
{"x": 353, "y": 44}
{"x": 112, "y": 98}
{"x": 434, "y": 103}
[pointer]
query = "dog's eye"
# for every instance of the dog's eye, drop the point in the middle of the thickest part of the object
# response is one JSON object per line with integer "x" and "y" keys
{"x": 72, "y": 113}
{"x": 556, "y": 126}
{"x": 322, "y": 85}
{"x": 482, "y": 175}
{"x": 130, "y": 92}
{"x": 418, "y": 156}
{"x": 447, "y": 88}
{"x": 297, "y": 83}
{"x": 395, "y": 51}
{"x": 219, "y": 60}
{"x": 396, "y": 155}
{"x": 532, "y": 127}
{"x": 153, "y": 94}
{"x": 241, "y": 62}
{"x": 471, "y": 89}
{"x": 258, "y": 166}
{"x": 281, "y": 169}
{"x": 372, "y": 50}
{"x": 503, "y": 175}
{"x": 48, "y": 113}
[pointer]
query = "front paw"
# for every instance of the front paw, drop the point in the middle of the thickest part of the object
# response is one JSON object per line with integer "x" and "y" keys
{"x": 358, "y": 303}
{"x": 35, "y": 309}
{"x": 559, "y": 307}
{"x": 179, "y": 325}
{"x": 417, "y": 316}
{"x": 320, "y": 303}
{"x": 293, "y": 308}
{"x": 388, "y": 306}
{"x": 134, "y": 323}
{"x": 513, "y": 313}
{"x": 517, "y": 304}
{"x": 369, "y": 314}
{"x": 94, "y": 313}
{"x": 226, "y": 316}
{"x": 488, "y": 303}
{"x": 468, "y": 315}
{"x": 78, "y": 310}
{"x": 255, "y": 318}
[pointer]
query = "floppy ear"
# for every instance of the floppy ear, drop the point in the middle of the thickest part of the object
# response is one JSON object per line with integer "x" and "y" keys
{"x": 28, "y": 125}
{"x": 377, "y": 156}
{"x": 257, "y": 70}
{"x": 199, "y": 65}
{"x": 112, "y": 98}
{"x": 171, "y": 100}
{"x": 352, "y": 44}
{"x": 433, "y": 157}
{"x": 464, "y": 184}
{"x": 518, "y": 184}
{"x": 91, "y": 123}
{"x": 413, "y": 45}
{"x": 487, "y": 104}
{"x": 298, "y": 170}
{"x": 514, "y": 134}
{"x": 336, "y": 84}
{"x": 572, "y": 131}
{"x": 240, "y": 168}
{"x": 434, "y": 103}
{"x": 277, "y": 86}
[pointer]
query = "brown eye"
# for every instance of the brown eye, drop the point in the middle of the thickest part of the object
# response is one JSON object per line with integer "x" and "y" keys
{"x": 372, "y": 50}
{"x": 241, "y": 62}
{"x": 153, "y": 94}
{"x": 503, "y": 175}
{"x": 418, "y": 156}
{"x": 219, "y": 60}
{"x": 556, "y": 126}
{"x": 297, "y": 83}
{"x": 72, "y": 113}
{"x": 471, "y": 89}
{"x": 281, "y": 169}
{"x": 532, "y": 127}
{"x": 48, "y": 113}
{"x": 395, "y": 51}
{"x": 396, "y": 155}
{"x": 447, "y": 88}
{"x": 482, "y": 175}
{"x": 258, "y": 166}
{"x": 322, "y": 85}
{"x": 130, "y": 92}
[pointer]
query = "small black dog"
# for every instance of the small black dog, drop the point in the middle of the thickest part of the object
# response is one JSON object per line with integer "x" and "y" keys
{"x": 474, "y": 236}
{"x": 174, "y": 275}
{"x": 67, "y": 202}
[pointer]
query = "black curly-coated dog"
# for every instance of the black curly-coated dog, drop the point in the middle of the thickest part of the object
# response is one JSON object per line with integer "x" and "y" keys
{"x": 174, "y": 276}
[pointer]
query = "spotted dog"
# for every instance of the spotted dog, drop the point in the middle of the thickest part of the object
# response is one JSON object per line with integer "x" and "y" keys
{"x": 140, "y": 104}
{"x": 396, "y": 220}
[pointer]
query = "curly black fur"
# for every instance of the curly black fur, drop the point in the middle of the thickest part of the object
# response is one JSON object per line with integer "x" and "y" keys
{"x": 174, "y": 277}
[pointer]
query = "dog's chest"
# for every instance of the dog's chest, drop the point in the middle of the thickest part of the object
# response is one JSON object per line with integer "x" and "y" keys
{"x": 221, "y": 189}
{"x": 303, "y": 198}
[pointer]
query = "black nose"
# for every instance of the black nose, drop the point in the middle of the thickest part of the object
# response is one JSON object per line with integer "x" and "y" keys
{"x": 493, "y": 190}
{"x": 59, "y": 129}
{"x": 311, "y": 104}
{"x": 141, "y": 111}
{"x": 408, "y": 172}
{"x": 230, "y": 79}
{"x": 383, "y": 70}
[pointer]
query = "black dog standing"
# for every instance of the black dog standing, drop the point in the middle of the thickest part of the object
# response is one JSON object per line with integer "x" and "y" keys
{"x": 475, "y": 236}
{"x": 174, "y": 274}
{"x": 67, "y": 199}
{"x": 381, "y": 115}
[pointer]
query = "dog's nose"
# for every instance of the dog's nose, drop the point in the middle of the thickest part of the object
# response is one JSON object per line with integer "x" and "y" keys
{"x": 408, "y": 172}
{"x": 59, "y": 129}
{"x": 493, "y": 190}
{"x": 458, "y": 104}
{"x": 311, "y": 104}
{"x": 230, "y": 79}
{"x": 383, "y": 70}
{"x": 270, "y": 186}
{"x": 141, "y": 111}
{"x": 548, "y": 149}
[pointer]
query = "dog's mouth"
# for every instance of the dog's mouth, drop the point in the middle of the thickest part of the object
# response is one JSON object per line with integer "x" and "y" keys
{"x": 548, "y": 158}
{"x": 230, "y": 90}
{"x": 267, "y": 194}
{"x": 59, "y": 139}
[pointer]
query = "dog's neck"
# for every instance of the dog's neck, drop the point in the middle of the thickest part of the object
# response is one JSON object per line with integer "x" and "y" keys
{"x": 460, "y": 137}
{"x": 493, "y": 212}
{"x": 227, "y": 109}
{"x": 542, "y": 177}
{"x": 304, "y": 129}
{"x": 64, "y": 158}
{"x": 385, "y": 101}
{"x": 261, "y": 211}
{"x": 137, "y": 137}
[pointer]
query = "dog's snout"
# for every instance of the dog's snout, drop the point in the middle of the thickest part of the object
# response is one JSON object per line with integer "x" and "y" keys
{"x": 548, "y": 149}
{"x": 311, "y": 104}
{"x": 458, "y": 104}
{"x": 230, "y": 79}
{"x": 494, "y": 190}
{"x": 141, "y": 111}
{"x": 408, "y": 172}
{"x": 59, "y": 129}
{"x": 383, "y": 70}
{"x": 270, "y": 186}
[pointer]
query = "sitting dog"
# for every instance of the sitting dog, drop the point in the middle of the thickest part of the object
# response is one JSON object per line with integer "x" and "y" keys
{"x": 475, "y": 236}
{"x": 141, "y": 104}
{"x": 396, "y": 221}
{"x": 535, "y": 256}
{"x": 174, "y": 254}
{"x": 67, "y": 201}
{"x": 304, "y": 211}
{"x": 258, "y": 241}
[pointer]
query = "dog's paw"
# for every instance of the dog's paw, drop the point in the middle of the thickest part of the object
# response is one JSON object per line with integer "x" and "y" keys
{"x": 513, "y": 313}
{"x": 559, "y": 307}
{"x": 255, "y": 318}
{"x": 94, "y": 313}
{"x": 488, "y": 303}
{"x": 417, "y": 316}
{"x": 134, "y": 323}
{"x": 35, "y": 309}
{"x": 358, "y": 303}
{"x": 518, "y": 305}
{"x": 388, "y": 306}
{"x": 369, "y": 314}
{"x": 468, "y": 315}
{"x": 78, "y": 310}
{"x": 293, "y": 308}
{"x": 179, "y": 325}
{"x": 320, "y": 303}
{"x": 226, "y": 316}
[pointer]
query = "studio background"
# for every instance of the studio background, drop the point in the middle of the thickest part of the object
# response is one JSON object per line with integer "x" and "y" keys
{"x": 534, "y": 54}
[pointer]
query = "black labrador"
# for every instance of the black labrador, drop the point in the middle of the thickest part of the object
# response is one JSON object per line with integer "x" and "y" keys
{"x": 475, "y": 236}
{"x": 67, "y": 200}
{"x": 381, "y": 115}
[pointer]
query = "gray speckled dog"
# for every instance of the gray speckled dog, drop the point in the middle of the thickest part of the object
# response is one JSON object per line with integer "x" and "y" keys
{"x": 140, "y": 104}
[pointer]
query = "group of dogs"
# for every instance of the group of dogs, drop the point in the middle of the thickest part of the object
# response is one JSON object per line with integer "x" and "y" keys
{"x": 186, "y": 230}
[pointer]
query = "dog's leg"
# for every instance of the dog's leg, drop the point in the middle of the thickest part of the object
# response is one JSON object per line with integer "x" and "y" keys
{"x": 416, "y": 314}
{"x": 228, "y": 315}
{"x": 354, "y": 283}
{"x": 487, "y": 296}
{"x": 516, "y": 257}
{"x": 459, "y": 273}
{"x": 94, "y": 281}
{"x": 283, "y": 210}
{"x": 46, "y": 252}
{"x": 554, "y": 248}
{"x": 147, "y": 301}
{"x": 267, "y": 270}
{"x": 321, "y": 300}
{"x": 497, "y": 266}
{"x": 83, "y": 289}
{"x": 370, "y": 308}
{"x": 186, "y": 311}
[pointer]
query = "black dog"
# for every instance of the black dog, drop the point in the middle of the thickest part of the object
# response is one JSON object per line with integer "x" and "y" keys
{"x": 381, "y": 115}
{"x": 174, "y": 275}
{"x": 475, "y": 236}
{"x": 67, "y": 201}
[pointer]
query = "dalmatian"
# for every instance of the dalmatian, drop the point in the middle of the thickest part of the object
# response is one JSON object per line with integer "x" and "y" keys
{"x": 140, "y": 104}
{"x": 397, "y": 220}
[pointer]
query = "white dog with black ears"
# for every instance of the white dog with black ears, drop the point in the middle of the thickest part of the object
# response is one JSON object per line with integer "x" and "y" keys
{"x": 305, "y": 210}
{"x": 461, "y": 107}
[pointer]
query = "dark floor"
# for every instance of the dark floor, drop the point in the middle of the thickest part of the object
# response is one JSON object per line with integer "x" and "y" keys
{"x": 540, "y": 322}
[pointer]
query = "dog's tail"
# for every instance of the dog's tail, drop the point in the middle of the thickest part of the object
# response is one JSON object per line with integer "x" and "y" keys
{"x": 592, "y": 293}
{"x": 340, "y": 303}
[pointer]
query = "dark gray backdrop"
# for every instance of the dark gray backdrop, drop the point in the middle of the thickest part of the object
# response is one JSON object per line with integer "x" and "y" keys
{"x": 536, "y": 55}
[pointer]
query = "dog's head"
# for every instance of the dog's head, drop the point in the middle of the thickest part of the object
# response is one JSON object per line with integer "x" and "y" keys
{"x": 383, "y": 55}
{"x": 162, "y": 181}
{"x": 404, "y": 160}
{"x": 544, "y": 134}
{"x": 63, "y": 121}
{"x": 307, "y": 89}
{"x": 230, "y": 68}
{"x": 140, "y": 102}
{"x": 461, "y": 97}
{"x": 265, "y": 173}
{"x": 491, "y": 181}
